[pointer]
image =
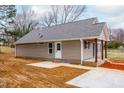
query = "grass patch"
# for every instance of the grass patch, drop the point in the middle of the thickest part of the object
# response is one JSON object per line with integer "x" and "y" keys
{"x": 6, "y": 49}
{"x": 116, "y": 55}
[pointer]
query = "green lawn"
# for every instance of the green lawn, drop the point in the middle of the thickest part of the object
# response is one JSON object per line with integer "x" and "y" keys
{"x": 116, "y": 55}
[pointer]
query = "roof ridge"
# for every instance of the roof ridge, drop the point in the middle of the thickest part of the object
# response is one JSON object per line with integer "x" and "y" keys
{"x": 70, "y": 22}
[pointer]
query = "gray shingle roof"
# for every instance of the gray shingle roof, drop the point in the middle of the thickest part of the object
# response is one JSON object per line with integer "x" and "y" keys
{"x": 67, "y": 31}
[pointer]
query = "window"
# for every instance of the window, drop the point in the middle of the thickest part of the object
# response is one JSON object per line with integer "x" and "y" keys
{"x": 86, "y": 45}
{"x": 50, "y": 48}
{"x": 58, "y": 46}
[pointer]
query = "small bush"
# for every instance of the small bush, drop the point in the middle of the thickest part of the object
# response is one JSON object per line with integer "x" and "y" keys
{"x": 114, "y": 44}
{"x": 12, "y": 46}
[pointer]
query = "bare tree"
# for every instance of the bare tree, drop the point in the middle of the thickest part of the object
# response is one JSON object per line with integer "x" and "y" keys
{"x": 47, "y": 20}
{"x": 24, "y": 22}
{"x": 62, "y": 14}
{"x": 118, "y": 35}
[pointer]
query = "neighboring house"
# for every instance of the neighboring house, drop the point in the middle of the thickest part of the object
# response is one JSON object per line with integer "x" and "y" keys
{"x": 6, "y": 38}
{"x": 81, "y": 41}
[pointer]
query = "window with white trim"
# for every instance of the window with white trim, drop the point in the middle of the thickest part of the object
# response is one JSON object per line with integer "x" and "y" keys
{"x": 50, "y": 48}
{"x": 86, "y": 45}
{"x": 58, "y": 46}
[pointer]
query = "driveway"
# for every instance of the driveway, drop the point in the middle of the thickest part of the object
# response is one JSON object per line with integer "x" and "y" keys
{"x": 99, "y": 78}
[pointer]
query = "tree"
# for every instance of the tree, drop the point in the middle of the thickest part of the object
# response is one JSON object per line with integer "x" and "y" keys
{"x": 62, "y": 14}
{"x": 24, "y": 22}
{"x": 7, "y": 14}
{"x": 114, "y": 44}
{"x": 118, "y": 35}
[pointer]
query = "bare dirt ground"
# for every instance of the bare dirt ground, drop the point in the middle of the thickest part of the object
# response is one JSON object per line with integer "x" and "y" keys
{"x": 15, "y": 73}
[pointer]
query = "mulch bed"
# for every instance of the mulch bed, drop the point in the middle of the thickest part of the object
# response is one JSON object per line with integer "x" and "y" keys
{"x": 113, "y": 66}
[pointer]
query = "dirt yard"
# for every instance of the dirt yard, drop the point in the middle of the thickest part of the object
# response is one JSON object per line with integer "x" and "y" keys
{"x": 15, "y": 73}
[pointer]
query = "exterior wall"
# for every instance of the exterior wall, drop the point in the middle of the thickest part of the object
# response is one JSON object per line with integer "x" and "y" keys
{"x": 99, "y": 46}
{"x": 104, "y": 34}
{"x": 34, "y": 50}
{"x": 71, "y": 50}
{"x": 88, "y": 53}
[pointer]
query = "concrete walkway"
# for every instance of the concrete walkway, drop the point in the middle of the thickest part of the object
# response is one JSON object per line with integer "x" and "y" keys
{"x": 50, "y": 64}
{"x": 77, "y": 66}
{"x": 45, "y": 64}
{"x": 99, "y": 78}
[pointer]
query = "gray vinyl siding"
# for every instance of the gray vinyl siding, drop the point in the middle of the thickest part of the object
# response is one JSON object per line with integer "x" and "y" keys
{"x": 99, "y": 49}
{"x": 34, "y": 50}
{"x": 88, "y": 53}
{"x": 71, "y": 50}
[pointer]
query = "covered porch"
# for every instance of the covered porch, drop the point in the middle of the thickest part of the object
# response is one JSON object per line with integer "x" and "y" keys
{"x": 93, "y": 52}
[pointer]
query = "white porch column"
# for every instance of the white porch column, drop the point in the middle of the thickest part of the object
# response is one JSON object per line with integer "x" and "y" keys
{"x": 82, "y": 53}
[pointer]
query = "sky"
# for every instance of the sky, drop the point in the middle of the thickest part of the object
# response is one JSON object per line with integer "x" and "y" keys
{"x": 112, "y": 15}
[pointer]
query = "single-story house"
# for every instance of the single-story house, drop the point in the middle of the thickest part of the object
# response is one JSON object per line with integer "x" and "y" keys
{"x": 81, "y": 41}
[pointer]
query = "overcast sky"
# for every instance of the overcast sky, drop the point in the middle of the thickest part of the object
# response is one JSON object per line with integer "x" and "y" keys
{"x": 113, "y": 15}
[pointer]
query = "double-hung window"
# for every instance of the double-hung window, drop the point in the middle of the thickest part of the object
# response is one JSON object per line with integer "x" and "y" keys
{"x": 50, "y": 48}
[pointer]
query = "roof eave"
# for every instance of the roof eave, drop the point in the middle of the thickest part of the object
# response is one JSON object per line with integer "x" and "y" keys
{"x": 93, "y": 37}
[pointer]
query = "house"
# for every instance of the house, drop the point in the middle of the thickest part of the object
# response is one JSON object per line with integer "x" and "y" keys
{"x": 6, "y": 39}
{"x": 81, "y": 41}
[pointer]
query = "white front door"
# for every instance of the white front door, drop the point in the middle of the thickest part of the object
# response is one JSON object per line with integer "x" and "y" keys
{"x": 58, "y": 49}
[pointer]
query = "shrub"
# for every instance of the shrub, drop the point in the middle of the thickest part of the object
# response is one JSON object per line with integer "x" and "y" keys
{"x": 114, "y": 44}
{"x": 12, "y": 46}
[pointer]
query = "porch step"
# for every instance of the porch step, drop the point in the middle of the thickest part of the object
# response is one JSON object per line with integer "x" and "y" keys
{"x": 91, "y": 64}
